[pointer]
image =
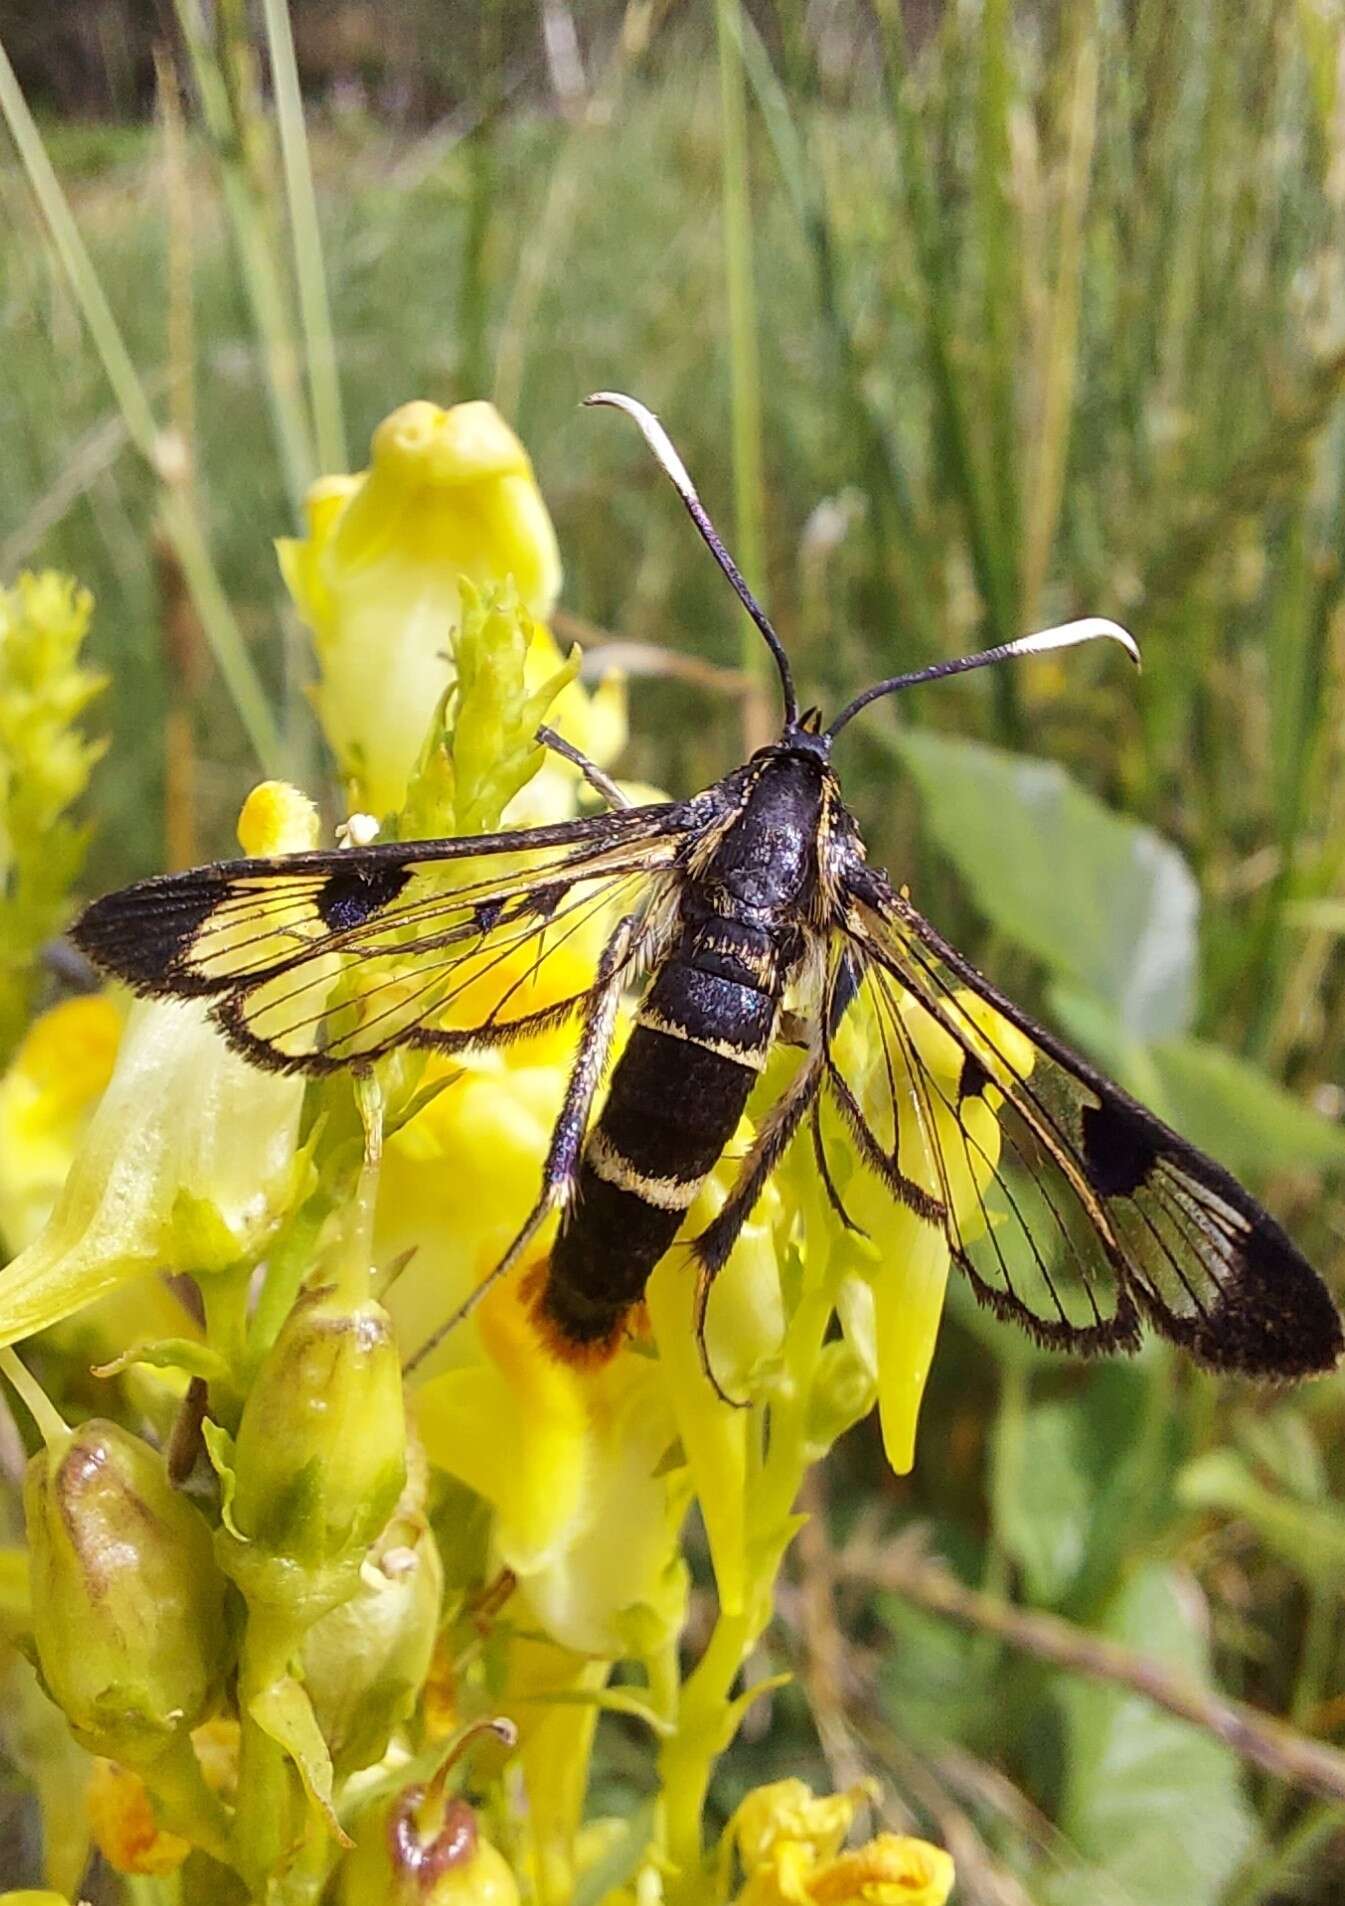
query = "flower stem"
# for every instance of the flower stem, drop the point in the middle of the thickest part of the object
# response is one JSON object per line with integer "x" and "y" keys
{"x": 53, "y": 1426}
{"x": 707, "y": 1714}
{"x": 184, "y": 1802}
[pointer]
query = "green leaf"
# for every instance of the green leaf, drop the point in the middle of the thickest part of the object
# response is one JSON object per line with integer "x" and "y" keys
{"x": 1043, "y": 1497}
{"x": 1106, "y": 903}
{"x": 935, "y": 1680}
{"x": 1150, "y": 1803}
{"x": 1079, "y": 1483}
{"x": 282, "y": 1709}
{"x": 1236, "y": 1112}
{"x": 1309, "y": 1537}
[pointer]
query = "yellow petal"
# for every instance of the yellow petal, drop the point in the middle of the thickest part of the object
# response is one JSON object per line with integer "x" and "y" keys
{"x": 47, "y": 1097}
{"x": 277, "y": 819}
{"x": 121, "y": 1816}
{"x": 449, "y": 493}
{"x": 892, "y": 1870}
{"x": 190, "y": 1148}
{"x": 514, "y": 1428}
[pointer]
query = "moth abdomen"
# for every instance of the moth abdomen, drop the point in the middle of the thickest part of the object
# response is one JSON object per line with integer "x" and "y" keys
{"x": 676, "y": 1097}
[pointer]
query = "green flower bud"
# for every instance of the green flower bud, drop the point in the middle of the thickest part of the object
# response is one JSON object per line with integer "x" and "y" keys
{"x": 320, "y": 1458}
{"x": 128, "y": 1605}
{"x": 844, "y": 1390}
{"x": 365, "y": 1662}
{"x": 419, "y": 1853}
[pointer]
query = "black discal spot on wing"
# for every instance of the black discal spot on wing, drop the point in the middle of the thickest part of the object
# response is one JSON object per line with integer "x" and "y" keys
{"x": 1118, "y": 1149}
{"x": 1274, "y": 1317}
{"x": 973, "y": 1078}
{"x": 486, "y": 914}
{"x": 350, "y": 897}
{"x": 144, "y": 933}
{"x": 544, "y": 901}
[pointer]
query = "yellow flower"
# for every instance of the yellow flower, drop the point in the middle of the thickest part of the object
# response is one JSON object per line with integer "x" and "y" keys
{"x": 584, "y": 1517}
{"x": 892, "y": 1870}
{"x": 45, "y": 763}
{"x": 121, "y": 1816}
{"x": 47, "y": 1097}
{"x": 188, "y": 1163}
{"x": 449, "y": 493}
{"x": 892, "y": 1310}
{"x": 789, "y": 1844}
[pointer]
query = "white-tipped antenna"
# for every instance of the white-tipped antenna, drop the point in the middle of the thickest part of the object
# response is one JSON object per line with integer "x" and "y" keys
{"x": 1066, "y": 635}
{"x": 662, "y": 446}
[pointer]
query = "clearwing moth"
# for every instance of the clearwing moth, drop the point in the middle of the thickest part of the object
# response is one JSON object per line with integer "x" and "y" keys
{"x": 744, "y": 915}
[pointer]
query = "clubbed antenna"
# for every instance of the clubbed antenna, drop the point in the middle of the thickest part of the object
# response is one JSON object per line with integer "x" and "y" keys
{"x": 661, "y": 444}
{"x": 1066, "y": 635}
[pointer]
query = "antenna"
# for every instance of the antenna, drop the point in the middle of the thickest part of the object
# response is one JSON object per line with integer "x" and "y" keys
{"x": 1067, "y": 635}
{"x": 661, "y": 444}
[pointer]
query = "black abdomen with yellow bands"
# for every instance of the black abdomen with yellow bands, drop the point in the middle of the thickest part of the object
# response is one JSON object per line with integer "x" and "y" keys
{"x": 701, "y": 1039}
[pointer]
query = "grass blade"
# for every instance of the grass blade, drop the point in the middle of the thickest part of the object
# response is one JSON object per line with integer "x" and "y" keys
{"x": 324, "y": 386}
{"x": 217, "y": 618}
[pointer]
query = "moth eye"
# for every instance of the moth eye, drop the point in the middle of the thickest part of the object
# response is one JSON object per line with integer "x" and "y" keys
{"x": 1118, "y": 1153}
{"x": 348, "y": 899}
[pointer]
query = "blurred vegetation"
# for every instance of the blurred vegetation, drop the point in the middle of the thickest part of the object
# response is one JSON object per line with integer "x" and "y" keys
{"x": 1034, "y": 312}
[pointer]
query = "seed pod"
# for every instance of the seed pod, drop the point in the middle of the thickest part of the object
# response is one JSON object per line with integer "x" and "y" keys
{"x": 321, "y": 1455}
{"x": 128, "y": 1605}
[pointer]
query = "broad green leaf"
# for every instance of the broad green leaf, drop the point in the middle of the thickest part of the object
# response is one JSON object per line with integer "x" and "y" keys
{"x": 936, "y": 1680}
{"x": 1103, "y": 901}
{"x": 1239, "y": 1114}
{"x": 1043, "y": 1497}
{"x": 1152, "y": 1806}
{"x": 1078, "y": 1482}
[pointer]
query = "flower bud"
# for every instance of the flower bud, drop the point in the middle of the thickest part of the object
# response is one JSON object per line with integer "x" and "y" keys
{"x": 128, "y": 1606}
{"x": 449, "y": 493}
{"x": 320, "y": 1458}
{"x": 425, "y": 1853}
{"x": 365, "y": 1662}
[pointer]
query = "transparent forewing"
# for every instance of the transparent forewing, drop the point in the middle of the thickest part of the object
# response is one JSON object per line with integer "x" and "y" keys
{"x": 328, "y": 960}
{"x": 1071, "y": 1209}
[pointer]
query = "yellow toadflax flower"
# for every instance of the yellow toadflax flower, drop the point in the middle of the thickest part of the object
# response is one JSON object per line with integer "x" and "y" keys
{"x": 448, "y": 494}
{"x": 189, "y": 1161}
{"x": 47, "y": 1098}
{"x": 45, "y": 763}
{"x": 789, "y": 1844}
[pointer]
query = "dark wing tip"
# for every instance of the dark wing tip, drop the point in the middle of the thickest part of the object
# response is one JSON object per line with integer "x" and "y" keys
{"x": 143, "y": 934}
{"x": 1275, "y": 1318}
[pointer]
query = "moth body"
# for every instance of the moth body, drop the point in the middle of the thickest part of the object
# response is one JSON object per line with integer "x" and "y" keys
{"x": 702, "y": 1037}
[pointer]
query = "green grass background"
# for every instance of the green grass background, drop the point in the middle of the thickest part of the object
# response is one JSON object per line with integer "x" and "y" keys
{"x": 965, "y": 322}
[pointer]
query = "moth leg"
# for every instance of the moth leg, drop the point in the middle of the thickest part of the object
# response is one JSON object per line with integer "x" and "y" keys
{"x": 823, "y": 1164}
{"x": 712, "y": 1248}
{"x": 592, "y": 773}
{"x": 560, "y": 1172}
